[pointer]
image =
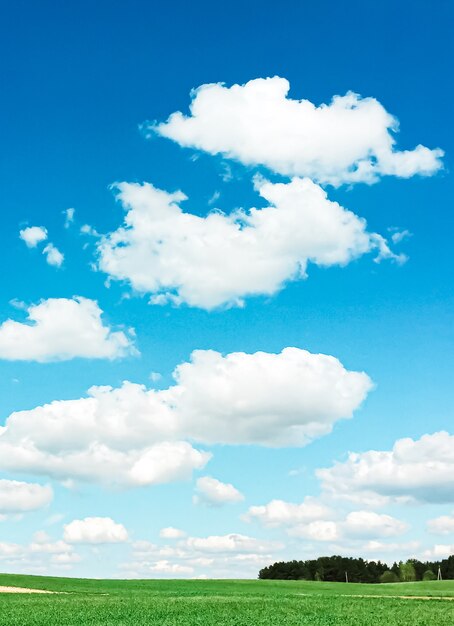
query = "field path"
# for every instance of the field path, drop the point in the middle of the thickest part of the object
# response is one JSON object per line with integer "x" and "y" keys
{"x": 4, "y": 589}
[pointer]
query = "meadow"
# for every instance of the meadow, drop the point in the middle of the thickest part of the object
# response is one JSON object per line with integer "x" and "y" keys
{"x": 83, "y": 602}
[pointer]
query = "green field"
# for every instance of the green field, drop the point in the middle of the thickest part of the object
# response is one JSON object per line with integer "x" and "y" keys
{"x": 223, "y": 603}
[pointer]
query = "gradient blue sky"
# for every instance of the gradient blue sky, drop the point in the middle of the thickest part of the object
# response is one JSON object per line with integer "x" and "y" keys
{"x": 78, "y": 80}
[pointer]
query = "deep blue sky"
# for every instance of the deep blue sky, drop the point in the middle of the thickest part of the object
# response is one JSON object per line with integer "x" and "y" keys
{"x": 80, "y": 77}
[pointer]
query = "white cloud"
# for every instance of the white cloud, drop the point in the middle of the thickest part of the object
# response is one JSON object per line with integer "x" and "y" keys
{"x": 213, "y": 492}
{"x": 231, "y": 555}
{"x": 166, "y": 567}
{"x": 214, "y": 198}
{"x": 49, "y": 547}
{"x": 312, "y": 519}
{"x": 231, "y": 543}
{"x": 95, "y": 530}
{"x": 59, "y": 329}
{"x": 365, "y": 524}
{"x": 8, "y": 550}
{"x": 443, "y": 525}
{"x": 167, "y": 462}
{"x": 355, "y": 526}
{"x": 19, "y": 497}
{"x": 65, "y": 559}
{"x": 349, "y": 140}
{"x": 181, "y": 257}
{"x": 263, "y": 398}
{"x": 281, "y": 513}
{"x": 40, "y": 556}
{"x": 144, "y": 549}
{"x": 319, "y": 530}
{"x": 53, "y": 255}
{"x": 439, "y": 551}
{"x": 400, "y": 548}
{"x": 421, "y": 470}
{"x": 69, "y": 216}
{"x": 33, "y": 235}
{"x": 171, "y": 533}
{"x": 400, "y": 235}
{"x": 134, "y": 436}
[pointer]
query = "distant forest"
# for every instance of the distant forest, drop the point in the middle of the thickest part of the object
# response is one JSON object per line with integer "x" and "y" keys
{"x": 346, "y": 569}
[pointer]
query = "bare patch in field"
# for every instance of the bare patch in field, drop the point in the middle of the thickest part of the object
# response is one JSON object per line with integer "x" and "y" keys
{"x": 4, "y": 589}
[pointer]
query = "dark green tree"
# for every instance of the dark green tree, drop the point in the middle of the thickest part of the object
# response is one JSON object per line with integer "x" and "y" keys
{"x": 389, "y": 577}
{"x": 429, "y": 575}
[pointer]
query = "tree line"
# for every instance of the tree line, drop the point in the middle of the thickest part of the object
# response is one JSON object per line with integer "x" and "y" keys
{"x": 346, "y": 569}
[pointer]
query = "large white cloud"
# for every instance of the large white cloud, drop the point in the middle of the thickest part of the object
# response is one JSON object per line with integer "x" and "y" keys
{"x": 213, "y": 492}
{"x": 263, "y": 398}
{"x": 349, "y": 140}
{"x": 19, "y": 497}
{"x": 421, "y": 470}
{"x": 134, "y": 436}
{"x": 59, "y": 329}
{"x": 221, "y": 259}
{"x": 95, "y": 530}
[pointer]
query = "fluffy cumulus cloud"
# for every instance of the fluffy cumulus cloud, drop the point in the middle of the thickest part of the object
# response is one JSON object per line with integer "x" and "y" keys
{"x": 319, "y": 530}
{"x": 284, "y": 399}
{"x": 213, "y": 492}
{"x": 404, "y": 549}
{"x": 95, "y": 530}
{"x": 184, "y": 258}
{"x": 443, "y": 525}
{"x": 349, "y": 140}
{"x": 281, "y": 513}
{"x": 42, "y": 555}
{"x": 439, "y": 551}
{"x": 59, "y": 329}
{"x": 414, "y": 470}
{"x": 313, "y": 520}
{"x": 165, "y": 462}
{"x": 53, "y": 255}
{"x": 137, "y": 436}
{"x": 19, "y": 497}
{"x": 33, "y": 235}
{"x": 167, "y": 568}
{"x": 220, "y": 556}
{"x": 232, "y": 543}
{"x": 171, "y": 533}
{"x": 368, "y": 524}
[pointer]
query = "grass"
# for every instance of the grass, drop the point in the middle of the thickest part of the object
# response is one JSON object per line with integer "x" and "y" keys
{"x": 222, "y": 603}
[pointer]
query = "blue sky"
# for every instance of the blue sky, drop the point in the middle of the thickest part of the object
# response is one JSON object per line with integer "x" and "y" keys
{"x": 85, "y": 89}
